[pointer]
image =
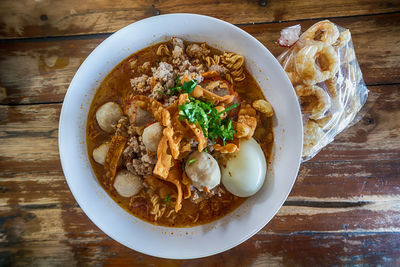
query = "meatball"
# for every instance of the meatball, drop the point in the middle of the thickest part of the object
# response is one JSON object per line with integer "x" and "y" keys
{"x": 108, "y": 115}
{"x": 203, "y": 170}
{"x": 152, "y": 135}
{"x": 127, "y": 184}
{"x": 100, "y": 153}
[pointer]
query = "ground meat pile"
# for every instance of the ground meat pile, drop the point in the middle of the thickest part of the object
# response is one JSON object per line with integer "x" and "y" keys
{"x": 139, "y": 160}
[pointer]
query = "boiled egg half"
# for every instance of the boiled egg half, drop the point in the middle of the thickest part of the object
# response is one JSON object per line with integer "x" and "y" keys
{"x": 244, "y": 174}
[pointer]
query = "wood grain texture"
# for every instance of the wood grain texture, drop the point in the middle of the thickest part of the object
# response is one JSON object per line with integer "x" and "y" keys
{"x": 343, "y": 210}
{"x": 56, "y": 18}
{"x": 341, "y": 179}
{"x": 374, "y": 138}
{"x": 67, "y": 237}
{"x": 40, "y": 71}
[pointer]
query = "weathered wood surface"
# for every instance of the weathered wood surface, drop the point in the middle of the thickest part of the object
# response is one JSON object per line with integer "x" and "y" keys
{"x": 57, "y": 18}
{"x": 37, "y": 71}
{"x": 344, "y": 203}
{"x": 344, "y": 208}
{"x": 375, "y": 138}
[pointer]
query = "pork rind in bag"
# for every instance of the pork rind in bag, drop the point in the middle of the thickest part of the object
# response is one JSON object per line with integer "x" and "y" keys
{"x": 324, "y": 71}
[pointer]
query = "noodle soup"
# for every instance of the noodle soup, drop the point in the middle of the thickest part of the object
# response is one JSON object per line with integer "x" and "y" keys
{"x": 168, "y": 128}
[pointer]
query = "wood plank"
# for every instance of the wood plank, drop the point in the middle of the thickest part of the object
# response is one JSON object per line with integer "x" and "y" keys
{"x": 341, "y": 209}
{"x": 374, "y": 139}
{"x": 346, "y": 163}
{"x": 56, "y": 18}
{"x": 38, "y": 236}
{"x": 41, "y": 70}
{"x": 370, "y": 34}
{"x": 262, "y": 250}
{"x": 329, "y": 185}
{"x": 344, "y": 194}
{"x": 294, "y": 216}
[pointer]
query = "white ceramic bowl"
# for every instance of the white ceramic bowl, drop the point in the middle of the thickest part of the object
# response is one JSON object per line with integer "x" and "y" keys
{"x": 200, "y": 241}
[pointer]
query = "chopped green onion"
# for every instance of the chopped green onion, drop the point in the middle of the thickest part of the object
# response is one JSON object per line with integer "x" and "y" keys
{"x": 208, "y": 118}
{"x": 186, "y": 87}
{"x": 229, "y": 108}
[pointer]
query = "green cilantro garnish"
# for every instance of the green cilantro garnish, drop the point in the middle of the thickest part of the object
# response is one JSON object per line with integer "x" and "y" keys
{"x": 191, "y": 161}
{"x": 208, "y": 118}
{"x": 186, "y": 87}
{"x": 168, "y": 199}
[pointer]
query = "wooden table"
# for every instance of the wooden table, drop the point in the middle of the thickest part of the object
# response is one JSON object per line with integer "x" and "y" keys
{"x": 343, "y": 209}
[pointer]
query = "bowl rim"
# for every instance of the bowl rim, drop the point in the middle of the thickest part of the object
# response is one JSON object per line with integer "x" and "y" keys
{"x": 66, "y": 171}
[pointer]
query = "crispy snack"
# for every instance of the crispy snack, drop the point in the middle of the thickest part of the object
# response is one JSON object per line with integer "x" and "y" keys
{"x": 204, "y": 93}
{"x": 314, "y": 100}
{"x": 215, "y": 99}
{"x": 154, "y": 107}
{"x": 184, "y": 148}
{"x": 246, "y": 123}
{"x": 324, "y": 31}
{"x": 175, "y": 177}
{"x": 173, "y": 140}
{"x": 312, "y": 136}
{"x": 228, "y": 148}
{"x": 346, "y": 56}
{"x": 294, "y": 77}
{"x": 210, "y": 74}
{"x": 199, "y": 135}
{"x": 323, "y": 69}
{"x": 355, "y": 74}
{"x": 326, "y": 122}
{"x": 331, "y": 86}
{"x": 264, "y": 107}
{"x": 308, "y": 58}
{"x": 114, "y": 153}
{"x": 183, "y": 98}
{"x": 164, "y": 159}
{"x": 186, "y": 182}
{"x": 176, "y": 131}
{"x": 343, "y": 39}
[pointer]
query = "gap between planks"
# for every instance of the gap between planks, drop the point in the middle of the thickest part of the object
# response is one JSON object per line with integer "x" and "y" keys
{"x": 103, "y": 35}
{"x": 372, "y": 202}
{"x": 61, "y": 102}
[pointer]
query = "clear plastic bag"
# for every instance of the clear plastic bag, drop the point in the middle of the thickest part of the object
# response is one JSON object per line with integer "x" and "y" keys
{"x": 324, "y": 71}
